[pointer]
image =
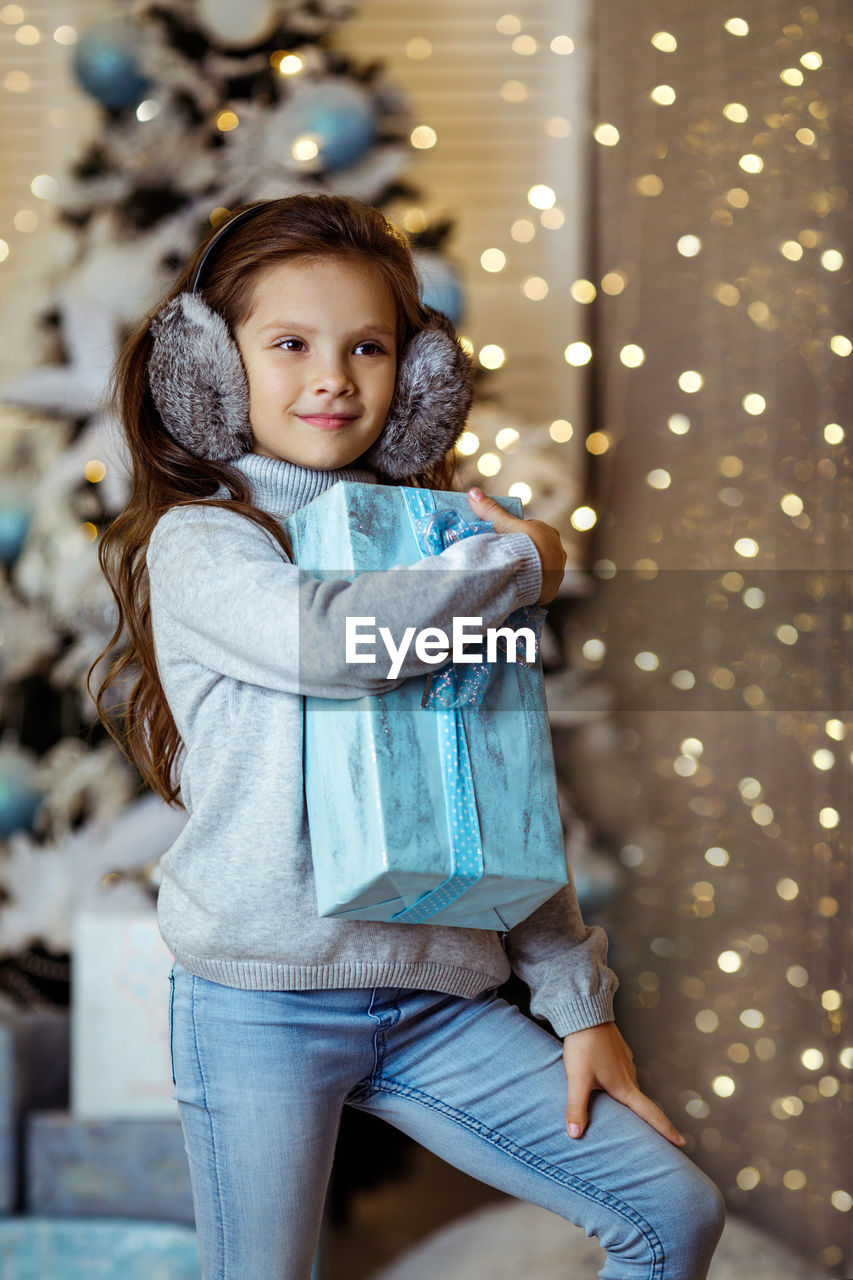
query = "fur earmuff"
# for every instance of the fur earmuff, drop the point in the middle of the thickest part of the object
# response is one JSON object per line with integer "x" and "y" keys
{"x": 198, "y": 384}
{"x": 431, "y": 401}
{"x": 197, "y": 380}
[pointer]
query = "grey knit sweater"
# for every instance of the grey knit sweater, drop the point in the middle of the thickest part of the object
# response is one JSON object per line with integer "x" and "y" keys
{"x": 241, "y": 635}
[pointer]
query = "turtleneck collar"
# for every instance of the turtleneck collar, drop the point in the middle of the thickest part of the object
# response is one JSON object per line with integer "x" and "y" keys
{"x": 281, "y": 487}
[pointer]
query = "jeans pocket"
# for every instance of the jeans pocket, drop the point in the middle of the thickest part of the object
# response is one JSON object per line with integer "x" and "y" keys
{"x": 172, "y": 1022}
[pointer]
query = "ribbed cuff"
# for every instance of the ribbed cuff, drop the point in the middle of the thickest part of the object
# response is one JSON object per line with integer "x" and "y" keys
{"x": 529, "y": 574}
{"x": 589, "y": 1011}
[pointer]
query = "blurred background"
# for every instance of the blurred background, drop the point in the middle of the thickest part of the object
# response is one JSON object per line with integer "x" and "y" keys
{"x": 637, "y": 215}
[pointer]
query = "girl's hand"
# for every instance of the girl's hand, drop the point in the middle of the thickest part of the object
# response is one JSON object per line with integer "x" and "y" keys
{"x": 551, "y": 554}
{"x": 598, "y": 1058}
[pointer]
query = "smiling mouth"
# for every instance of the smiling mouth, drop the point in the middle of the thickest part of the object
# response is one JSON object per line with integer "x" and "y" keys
{"x": 327, "y": 421}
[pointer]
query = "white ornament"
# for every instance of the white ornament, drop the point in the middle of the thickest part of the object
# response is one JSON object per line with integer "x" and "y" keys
{"x": 239, "y": 25}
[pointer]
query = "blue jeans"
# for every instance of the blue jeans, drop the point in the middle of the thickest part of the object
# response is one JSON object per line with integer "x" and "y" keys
{"x": 261, "y": 1078}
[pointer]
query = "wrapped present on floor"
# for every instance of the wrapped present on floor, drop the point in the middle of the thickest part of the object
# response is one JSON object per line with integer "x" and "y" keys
{"x": 109, "y": 1168}
{"x": 33, "y": 1073}
{"x": 435, "y": 802}
{"x": 120, "y": 1062}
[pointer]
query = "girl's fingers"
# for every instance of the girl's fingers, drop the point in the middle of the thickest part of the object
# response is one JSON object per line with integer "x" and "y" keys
{"x": 652, "y": 1114}
{"x": 488, "y": 509}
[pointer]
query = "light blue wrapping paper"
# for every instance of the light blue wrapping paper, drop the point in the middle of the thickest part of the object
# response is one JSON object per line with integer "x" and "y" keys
{"x": 424, "y": 815}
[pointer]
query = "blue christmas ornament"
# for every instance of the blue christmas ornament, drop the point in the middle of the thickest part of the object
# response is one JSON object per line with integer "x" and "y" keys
{"x": 14, "y": 525}
{"x": 19, "y": 799}
{"x": 441, "y": 287}
{"x": 340, "y": 116}
{"x": 106, "y": 65}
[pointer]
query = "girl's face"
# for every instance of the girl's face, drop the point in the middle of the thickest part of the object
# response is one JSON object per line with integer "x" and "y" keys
{"x": 320, "y": 354}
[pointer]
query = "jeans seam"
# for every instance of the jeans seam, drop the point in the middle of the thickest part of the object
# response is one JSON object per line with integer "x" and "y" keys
{"x": 388, "y": 1085}
{"x": 172, "y": 1025}
{"x": 380, "y": 1044}
{"x": 221, "y": 1215}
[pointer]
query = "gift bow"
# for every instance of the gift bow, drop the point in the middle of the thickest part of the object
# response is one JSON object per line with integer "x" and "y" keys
{"x": 459, "y": 684}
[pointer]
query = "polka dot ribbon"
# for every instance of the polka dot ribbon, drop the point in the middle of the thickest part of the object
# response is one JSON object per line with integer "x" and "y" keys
{"x": 434, "y": 530}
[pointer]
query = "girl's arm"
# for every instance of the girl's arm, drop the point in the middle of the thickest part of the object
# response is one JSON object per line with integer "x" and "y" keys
{"x": 232, "y": 602}
{"x": 563, "y": 962}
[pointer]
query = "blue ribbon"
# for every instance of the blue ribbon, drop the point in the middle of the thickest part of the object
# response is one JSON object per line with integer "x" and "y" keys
{"x": 467, "y": 865}
{"x": 444, "y": 694}
{"x": 458, "y": 684}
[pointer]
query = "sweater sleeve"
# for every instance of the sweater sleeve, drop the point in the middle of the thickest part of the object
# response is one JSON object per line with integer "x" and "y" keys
{"x": 245, "y": 611}
{"x": 563, "y": 962}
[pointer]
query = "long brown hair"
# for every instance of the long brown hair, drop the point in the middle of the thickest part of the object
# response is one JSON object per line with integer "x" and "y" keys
{"x": 164, "y": 475}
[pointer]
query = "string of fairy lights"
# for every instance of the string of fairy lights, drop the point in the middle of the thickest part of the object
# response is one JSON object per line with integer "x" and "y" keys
{"x": 800, "y": 811}
{"x": 723, "y": 211}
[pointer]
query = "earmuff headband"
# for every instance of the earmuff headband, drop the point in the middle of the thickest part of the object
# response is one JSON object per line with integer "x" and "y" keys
{"x": 230, "y": 225}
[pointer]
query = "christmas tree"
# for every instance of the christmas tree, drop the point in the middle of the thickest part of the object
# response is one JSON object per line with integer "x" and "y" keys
{"x": 204, "y": 107}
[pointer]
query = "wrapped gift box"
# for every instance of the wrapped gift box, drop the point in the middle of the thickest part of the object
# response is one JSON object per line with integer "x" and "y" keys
{"x": 113, "y": 1168}
{"x": 33, "y": 1073}
{"x": 68, "y": 1248}
{"x": 376, "y": 775}
{"x": 120, "y": 1063}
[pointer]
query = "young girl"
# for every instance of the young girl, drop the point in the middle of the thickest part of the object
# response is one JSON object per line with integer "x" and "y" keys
{"x": 293, "y": 355}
